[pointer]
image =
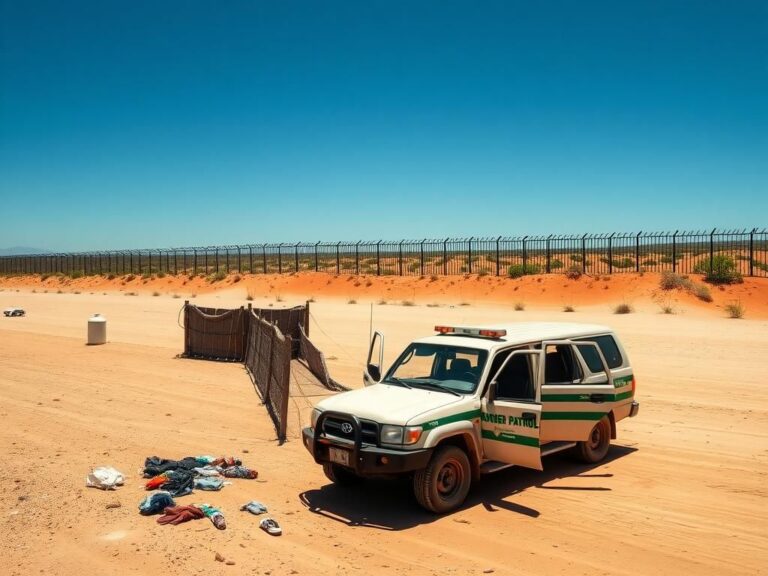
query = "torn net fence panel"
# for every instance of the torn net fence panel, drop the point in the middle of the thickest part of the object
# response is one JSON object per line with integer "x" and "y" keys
{"x": 288, "y": 320}
{"x": 268, "y": 361}
{"x": 215, "y": 334}
{"x": 315, "y": 361}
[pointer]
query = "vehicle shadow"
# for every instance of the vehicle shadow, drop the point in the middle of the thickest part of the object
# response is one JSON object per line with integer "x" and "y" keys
{"x": 390, "y": 505}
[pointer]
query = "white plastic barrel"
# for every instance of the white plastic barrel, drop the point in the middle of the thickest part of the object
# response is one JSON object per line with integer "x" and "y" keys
{"x": 97, "y": 330}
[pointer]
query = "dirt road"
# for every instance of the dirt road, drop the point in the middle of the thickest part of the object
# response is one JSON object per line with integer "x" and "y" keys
{"x": 684, "y": 489}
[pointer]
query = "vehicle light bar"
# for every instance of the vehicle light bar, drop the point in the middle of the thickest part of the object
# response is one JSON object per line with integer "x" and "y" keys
{"x": 487, "y": 333}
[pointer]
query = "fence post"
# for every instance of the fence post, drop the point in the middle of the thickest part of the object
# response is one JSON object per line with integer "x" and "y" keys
{"x": 674, "y": 251}
{"x": 445, "y": 257}
{"x": 549, "y": 255}
{"x": 250, "y": 259}
{"x": 216, "y": 255}
{"x": 610, "y": 253}
{"x": 296, "y": 256}
{"x": 306, "y": 318}
{"x": 421, "y": 256}
{"x": 525, "y": 256}
{"x": 264, "y": 257}
{"x": 752, "y": 252}
{"x": 637, "y": 252}
{"x": 497, "y": 255}
{"x": 338, "y": 262}
{"x": 186, "y": 327}
{"x": 239, "y": 261}
{"x": 357, "y": 257}
{"x": 584, "y": 254}
{"x": 280, "y": 258}
{"x": 469, "y": 260}
{"x": 400, "y": 257}
{"x": 712, "y": 249}
{"x": 194, "y": 262}
{"x": 316, "y": 264}
{"x": 378, "y": 258}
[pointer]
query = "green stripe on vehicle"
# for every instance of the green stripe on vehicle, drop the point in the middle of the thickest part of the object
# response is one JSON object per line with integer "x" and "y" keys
{"x": 572, "y": 415}
{"x": 469, "y": 415}
{"x": 510, "y": 438}
{"x": 623, "y": 396}
{"x": 622, "y": 381}
{"x": 584, "y": 397}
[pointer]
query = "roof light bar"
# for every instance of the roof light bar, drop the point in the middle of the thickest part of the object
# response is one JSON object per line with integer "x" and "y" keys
{"x": 487, "y": 333}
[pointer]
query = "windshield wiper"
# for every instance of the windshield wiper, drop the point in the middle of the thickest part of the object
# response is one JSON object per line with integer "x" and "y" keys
{"x": 395, "y": 380}
{"x": 437, "y": 386}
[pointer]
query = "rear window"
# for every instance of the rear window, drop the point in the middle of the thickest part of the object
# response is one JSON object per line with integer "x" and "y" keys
{"x": 609, "y": 349}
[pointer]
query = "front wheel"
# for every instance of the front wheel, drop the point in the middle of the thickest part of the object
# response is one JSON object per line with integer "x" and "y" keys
{"x": 595, "y": 449}
{"x": 443, "y": 485}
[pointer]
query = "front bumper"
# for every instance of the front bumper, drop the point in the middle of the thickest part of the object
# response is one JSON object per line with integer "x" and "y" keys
{"x": 364, "y": 459}
{"x": 634, "y": 409}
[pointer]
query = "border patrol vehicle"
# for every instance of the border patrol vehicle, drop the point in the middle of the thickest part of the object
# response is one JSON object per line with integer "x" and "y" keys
{"x": 471, "y": 400}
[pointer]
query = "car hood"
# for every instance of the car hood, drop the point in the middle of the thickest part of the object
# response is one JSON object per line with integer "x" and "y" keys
{"x": 388, "y": 404}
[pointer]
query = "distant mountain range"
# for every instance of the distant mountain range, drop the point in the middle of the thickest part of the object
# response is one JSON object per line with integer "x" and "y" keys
{"x": 19, "y": 250}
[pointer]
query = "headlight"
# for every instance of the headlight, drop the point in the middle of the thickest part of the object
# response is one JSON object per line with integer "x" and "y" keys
{"x": 399, "y": 435}
{"x": 315, "y": 415}
{"x": 391, "y": 434}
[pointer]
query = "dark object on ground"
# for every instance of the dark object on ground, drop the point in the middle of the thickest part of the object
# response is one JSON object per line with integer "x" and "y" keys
{"x": 179, "y": 514}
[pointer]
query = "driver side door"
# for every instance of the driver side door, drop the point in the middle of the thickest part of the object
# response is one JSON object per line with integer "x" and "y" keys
{"x": 511, "y": 411}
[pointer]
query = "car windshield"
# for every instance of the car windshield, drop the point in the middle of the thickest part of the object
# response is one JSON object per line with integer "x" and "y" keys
{"x": 435, "y": 366}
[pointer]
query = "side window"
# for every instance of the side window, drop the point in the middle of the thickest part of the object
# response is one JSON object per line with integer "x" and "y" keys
{"x": 560, "y": 365}
{"x": 609, "y": 349}
{"x": 515, "y": 382}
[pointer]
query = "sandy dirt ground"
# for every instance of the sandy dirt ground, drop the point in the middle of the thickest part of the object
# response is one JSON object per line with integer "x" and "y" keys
{"x": 683, "y": 491}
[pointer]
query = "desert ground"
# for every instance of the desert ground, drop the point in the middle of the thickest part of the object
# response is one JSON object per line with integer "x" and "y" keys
{"x": 684, "y": 489}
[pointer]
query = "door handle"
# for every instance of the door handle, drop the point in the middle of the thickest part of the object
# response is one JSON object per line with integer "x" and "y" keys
{"x": 598, "y": 398}
{"x": 528, "y": 415}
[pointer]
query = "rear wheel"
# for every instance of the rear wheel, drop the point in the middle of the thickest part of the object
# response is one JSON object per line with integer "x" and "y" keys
{"x": 340, "y": 475}
{"x": 443, "y": 485}
{"x": 596, "y": 447}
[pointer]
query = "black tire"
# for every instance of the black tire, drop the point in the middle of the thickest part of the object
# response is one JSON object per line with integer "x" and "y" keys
{"x": 340, "y": 475}
{"x": 443, "y": 485}
{"x": 595, "y": 449}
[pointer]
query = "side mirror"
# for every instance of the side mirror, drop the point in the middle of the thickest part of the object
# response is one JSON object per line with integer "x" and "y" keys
{"x": 492, "y": 392}
{"x": 374, "y": 372}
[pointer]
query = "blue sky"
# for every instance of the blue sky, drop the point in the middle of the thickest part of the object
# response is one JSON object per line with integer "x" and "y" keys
{"x": 149, "y": 124}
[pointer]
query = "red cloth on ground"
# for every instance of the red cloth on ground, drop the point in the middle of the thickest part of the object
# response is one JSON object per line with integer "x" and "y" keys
{"x": 179, "y": 514}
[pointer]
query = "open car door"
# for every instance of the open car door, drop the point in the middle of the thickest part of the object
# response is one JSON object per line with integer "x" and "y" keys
{"x": 375, "y": 363}
{"x": 511, "y": 411}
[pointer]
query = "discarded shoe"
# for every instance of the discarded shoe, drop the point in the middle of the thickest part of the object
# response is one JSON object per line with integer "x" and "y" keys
{"x": 270, "y": 526}
{"x": 254, "y": 507}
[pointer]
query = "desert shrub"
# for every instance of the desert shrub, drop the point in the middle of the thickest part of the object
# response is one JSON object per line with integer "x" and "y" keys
{"x": 760, "y": 265}
{"x": 388, "y": 272}
{"x": 722, "y": 271}
{"x": 573, "y": 272}
{"x": 623, "y": 309}
{"x": 519, "y": 306}
{"x": 568, "y": 308}
{"x": 433, "y": 305}
{"x": 44, "y": 277}
{"x": 130, "y": 277}
{"x": 110, "y": 276}
{"x": 155, "y": 293}
{"x": 433, "y": 278}
{"x": 673, "y": 281}
{"x": 649, "y": 262}
{"x": 75, "y": 274}
{"x": 146, "y": 276}
{"x": 701, "y": 292}
{"x": 382, "y": 302}
{"x": 278, "y": 298}
{"x": 217, "y": 277}
{"x": 576, "y": 257}
{"x": 483, "y": 272}
{"x": 520, "y": 270}
{"x": 408, "y": 303}
{"x": 351, "y": 301}
{"x": 735, "y": 309}
{"x": 464, "y": 304}
{"x": 176, "y": 296}
{"x": 161, "y": 274}
{"x": 414, "y": 266}
{"x": 619, "y": 262}
{"x": 556, "y": 264}
{"x": 666, "y": 259}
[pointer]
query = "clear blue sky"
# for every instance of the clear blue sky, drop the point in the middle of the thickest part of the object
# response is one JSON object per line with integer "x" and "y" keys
{"x": 150, "y": 124}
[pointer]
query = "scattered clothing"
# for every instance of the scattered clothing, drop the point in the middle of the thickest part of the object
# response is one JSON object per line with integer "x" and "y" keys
{"x": 240, "y": 472}
{"x": 209, "y": 483}
{"x": 104, "y": 478}
{"x": 177, "y": 482}
{"x": 155, "y": 503}
{"x": 205, "y": 460}
{"x": 254, "y": 507}
{"x": 226, "y": 461}
{"x": 208, "y": 471}
{"x": 270, "y": 526}
{"x": 153, "y": 466}
{"x": 215, "y": 515}
{"x": 178, "y": 514}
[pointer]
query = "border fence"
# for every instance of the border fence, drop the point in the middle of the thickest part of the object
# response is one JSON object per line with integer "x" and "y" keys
{"x": 679, "y": 251}
{"x": 265, "y": 341}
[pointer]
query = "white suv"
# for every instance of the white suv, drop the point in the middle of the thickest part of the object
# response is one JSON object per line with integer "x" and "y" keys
{"x": 472, "y": 400}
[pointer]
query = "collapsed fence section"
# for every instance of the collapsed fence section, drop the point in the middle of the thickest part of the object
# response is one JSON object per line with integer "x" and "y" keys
{"x": 268, "y": 362}
{"x": 265, "y": 340}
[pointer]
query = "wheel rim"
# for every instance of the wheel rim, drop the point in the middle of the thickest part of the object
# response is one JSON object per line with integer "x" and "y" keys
{"x": 596, "y": 438}
{"x": 449, "y": 479}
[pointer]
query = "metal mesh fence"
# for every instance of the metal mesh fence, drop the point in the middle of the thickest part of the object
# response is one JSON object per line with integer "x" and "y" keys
{"x": 688, "y": 252}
